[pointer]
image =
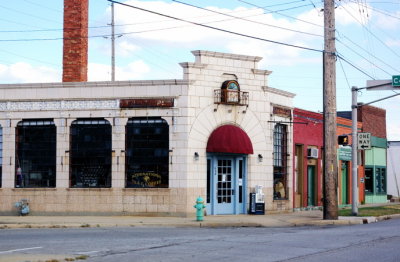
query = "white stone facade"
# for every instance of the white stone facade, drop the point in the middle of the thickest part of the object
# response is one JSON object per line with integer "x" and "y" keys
{"x": 191, "y": 120}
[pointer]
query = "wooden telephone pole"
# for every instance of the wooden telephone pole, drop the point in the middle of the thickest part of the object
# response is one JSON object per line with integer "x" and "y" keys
{"x": 329, "y": 99}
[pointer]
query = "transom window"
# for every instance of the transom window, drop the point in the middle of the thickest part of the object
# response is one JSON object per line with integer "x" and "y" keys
{"x": 90, "y": 153}
{"x": 35, "y": 155}
{"x": 147, "y": 151}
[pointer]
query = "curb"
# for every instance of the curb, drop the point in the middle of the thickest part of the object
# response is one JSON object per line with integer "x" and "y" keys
{"x": 204, "y": 224}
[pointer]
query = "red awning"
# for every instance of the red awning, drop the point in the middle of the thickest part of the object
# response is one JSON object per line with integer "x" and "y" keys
{"x": 229, "y": 139}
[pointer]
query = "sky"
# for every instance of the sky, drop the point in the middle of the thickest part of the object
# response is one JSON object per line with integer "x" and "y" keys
{"x": 288, "y": 34}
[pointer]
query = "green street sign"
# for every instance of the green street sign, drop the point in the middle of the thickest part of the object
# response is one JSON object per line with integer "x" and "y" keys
{"x": 396, "y": 81}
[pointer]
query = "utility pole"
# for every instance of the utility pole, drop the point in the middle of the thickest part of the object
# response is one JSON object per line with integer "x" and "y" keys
{"x": 329, "y": 107}
{"x": 354, "y": 152}
{"x": 112, "y": 44}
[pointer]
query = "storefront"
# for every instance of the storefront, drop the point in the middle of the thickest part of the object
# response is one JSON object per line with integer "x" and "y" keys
{"x": 149, "y": 147}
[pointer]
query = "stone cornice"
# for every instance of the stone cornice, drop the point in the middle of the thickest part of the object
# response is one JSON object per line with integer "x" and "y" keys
{"x": 168, "y": 82}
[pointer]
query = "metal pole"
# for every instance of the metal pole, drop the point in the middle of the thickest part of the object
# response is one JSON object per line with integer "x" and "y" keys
{"x": 112, "y": 44}
{"x": 354, "y": 191}
{"x": 330, "y": 137}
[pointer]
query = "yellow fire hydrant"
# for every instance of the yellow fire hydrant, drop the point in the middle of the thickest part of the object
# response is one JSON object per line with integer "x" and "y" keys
{"x": 199, "y": 209}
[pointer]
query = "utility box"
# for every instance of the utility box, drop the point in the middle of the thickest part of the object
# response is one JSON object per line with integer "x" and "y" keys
{"x": 257, "y": 203}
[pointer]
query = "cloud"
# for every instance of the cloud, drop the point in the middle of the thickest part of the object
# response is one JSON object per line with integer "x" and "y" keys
{"x": 387, "y": 21}
{"x": 22, "y": 72}
{"x": 125, "y": 48}
{"x": 148, "y": 30}
{"x": 134, "y": 70}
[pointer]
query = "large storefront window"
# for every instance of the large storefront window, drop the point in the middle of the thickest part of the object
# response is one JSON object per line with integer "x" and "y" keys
{"x": 90, "y": 153}
{"x": 375, "y": 180}
{"x": 280, "y": 162}
{"x": 147, "y": 150}
{"x": 35, "y": 154}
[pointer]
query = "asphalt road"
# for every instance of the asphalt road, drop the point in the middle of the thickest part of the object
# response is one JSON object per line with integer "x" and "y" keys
{"x": 370, "y": 242}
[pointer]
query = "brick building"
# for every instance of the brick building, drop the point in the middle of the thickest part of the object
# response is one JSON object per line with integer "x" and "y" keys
{"x": 308, "y": 161}
{"x": 373, "y": 121}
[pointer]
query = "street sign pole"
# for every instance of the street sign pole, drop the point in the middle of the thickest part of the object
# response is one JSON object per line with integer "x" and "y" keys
{"x": 354, "y": 169}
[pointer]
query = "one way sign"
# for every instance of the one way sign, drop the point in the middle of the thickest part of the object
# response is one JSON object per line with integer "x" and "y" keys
{"x": 364, "y": 141}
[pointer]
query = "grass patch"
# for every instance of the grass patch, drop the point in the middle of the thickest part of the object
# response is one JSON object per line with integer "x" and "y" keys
{"x": 373, "y": 211}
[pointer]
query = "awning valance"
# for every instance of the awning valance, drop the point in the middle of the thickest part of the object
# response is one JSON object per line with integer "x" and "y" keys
{"x": 229, "y": 139}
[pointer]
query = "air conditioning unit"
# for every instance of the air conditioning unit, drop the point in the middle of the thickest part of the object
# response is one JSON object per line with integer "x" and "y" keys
{"x": 312, "y": 153}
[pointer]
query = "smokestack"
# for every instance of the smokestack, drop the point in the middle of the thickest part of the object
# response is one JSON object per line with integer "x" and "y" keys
{"x": 75, "y": 50}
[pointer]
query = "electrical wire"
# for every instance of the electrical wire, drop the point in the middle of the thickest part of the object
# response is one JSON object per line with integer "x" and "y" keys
{"x": 360, "y": 47}
{"x": 248, "y": 20}
{"x": 272, "y": 11}
{"x": 369, "y": 31}
{"x": 216, "y": 28}
{"x": 43, "y": 6}
{"x": 288, "y": 3}
{"x": 369, "y": 61}
{"x": 354, "y": 66}
{"x": 345, "y": 75}
{"x": 37, "y": 17}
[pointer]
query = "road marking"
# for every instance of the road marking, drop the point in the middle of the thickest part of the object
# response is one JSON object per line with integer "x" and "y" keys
{"x": 20, "y": 249}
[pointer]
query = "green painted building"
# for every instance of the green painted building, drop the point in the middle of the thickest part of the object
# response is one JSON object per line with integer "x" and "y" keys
{"x": 375, "y": 171}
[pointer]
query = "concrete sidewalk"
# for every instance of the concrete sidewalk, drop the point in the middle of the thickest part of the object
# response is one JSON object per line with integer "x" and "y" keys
{"x": 300, "y": 218}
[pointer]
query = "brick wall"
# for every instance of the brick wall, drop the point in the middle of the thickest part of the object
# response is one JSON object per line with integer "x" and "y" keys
{"x": 75, "y": 50}
{"x": 373, "y": 120}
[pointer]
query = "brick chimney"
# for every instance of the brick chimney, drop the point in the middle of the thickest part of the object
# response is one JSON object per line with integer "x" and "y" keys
{"x": 75, "y": 50}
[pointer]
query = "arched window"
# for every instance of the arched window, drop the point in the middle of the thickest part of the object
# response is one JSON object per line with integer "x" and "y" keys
{"x": 147, "y": 150}
{"x": 230, "y": 92}
{"x": 280, "y": 162}
{"x": 90, "y": 153}
{"x": 35, "y": 153}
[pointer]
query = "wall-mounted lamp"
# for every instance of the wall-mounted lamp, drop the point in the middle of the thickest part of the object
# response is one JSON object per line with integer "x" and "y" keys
{"x": 196, "y": 156}
{"x": 260, "y": 158}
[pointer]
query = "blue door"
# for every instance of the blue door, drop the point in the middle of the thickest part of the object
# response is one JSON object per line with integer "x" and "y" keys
{"x": 226, "y": 185}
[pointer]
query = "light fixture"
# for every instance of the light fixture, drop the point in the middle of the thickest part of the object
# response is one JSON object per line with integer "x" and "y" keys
{"x": 260, "y": 158}
{"x": 196, "y": 156}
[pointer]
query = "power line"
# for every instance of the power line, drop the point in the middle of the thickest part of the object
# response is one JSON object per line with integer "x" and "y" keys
{"x": 344, "y": 72}
{"x": 248, "y": 20}
{"x": 354, "y": 66}
{"x": 359, "y": 46}
{"x": 33, "y": 59}
{"x": 43, "y": 6}
{"x": 218, "y": 29}
{"x": 27, "y": 14}
{"x": 357, "y": 53}
{"x": 288, "y": 3}
{"x": 272, "y": 11}
{"x": 369, "y": 31}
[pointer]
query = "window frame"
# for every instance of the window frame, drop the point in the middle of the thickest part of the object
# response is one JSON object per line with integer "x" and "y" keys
{"x": 280, "y": 162}
{"x": 90, "y": 167}
{"x": 35, "y": 160}
{"x": 149, "y": 135}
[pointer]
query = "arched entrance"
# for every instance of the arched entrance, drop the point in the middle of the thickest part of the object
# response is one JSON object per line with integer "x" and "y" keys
{"x": 227, "y": 150}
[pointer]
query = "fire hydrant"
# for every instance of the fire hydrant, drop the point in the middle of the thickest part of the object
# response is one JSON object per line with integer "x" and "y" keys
{"x": 199, "y": 209}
